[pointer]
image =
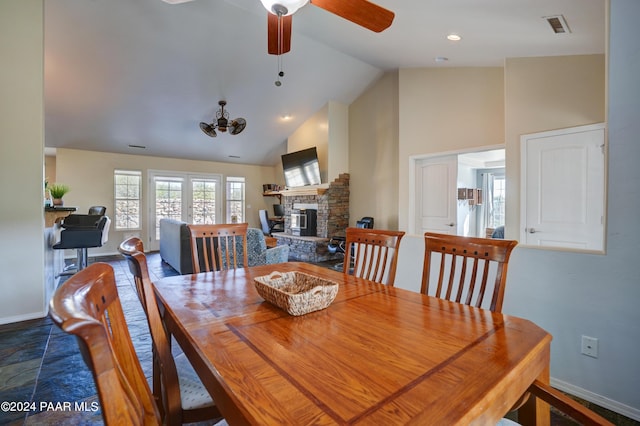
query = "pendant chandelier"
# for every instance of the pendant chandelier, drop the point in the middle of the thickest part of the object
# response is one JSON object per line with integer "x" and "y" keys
{"x": 222, "y": 123}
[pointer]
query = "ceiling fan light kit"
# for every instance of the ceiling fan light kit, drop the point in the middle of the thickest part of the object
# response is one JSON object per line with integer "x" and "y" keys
{"x": 222, "y": 123}
{"x": 283, "y": 7}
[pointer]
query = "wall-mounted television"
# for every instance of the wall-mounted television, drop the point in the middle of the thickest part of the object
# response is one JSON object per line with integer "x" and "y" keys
{"x": 301, "y": 168}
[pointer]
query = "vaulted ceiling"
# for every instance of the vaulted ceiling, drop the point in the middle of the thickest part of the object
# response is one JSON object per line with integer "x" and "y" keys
{"x": 144, "y": 73}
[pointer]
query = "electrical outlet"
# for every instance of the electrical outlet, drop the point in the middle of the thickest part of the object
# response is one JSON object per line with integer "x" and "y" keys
{"x": 590, "y": 346}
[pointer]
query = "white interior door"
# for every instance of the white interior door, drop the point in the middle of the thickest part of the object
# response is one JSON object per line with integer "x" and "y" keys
{"x": 436, "y": 194}
{"x": 190, "y": 198}
{"x": 563, "y": 188}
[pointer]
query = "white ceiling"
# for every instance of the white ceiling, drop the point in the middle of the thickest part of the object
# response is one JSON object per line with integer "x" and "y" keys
{"x": 143, "y": 72}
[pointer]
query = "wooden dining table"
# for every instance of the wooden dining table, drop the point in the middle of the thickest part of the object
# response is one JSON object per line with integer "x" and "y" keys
{"x": 378, "y": 355}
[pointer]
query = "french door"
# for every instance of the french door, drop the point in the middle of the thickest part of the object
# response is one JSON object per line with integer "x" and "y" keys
{"x": 187, "y": 197}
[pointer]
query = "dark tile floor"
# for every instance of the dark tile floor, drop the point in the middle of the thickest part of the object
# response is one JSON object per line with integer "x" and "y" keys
{"x": 43, "y": 374}
{"x": 41, "y": 366}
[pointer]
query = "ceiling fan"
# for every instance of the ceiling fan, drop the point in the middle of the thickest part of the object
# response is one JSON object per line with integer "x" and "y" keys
{"x": 361, "y": 12}
{"x": 279, "y": 18}
{"x": 223, "y": 123}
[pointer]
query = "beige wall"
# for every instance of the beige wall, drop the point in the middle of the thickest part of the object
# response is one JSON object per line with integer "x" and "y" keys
{"x": 50, "y": 168}
{"x": 328, "y": 131}
{"x": 545, "y": 94}
{"x": 314, "y": 132}
{"x": 90, "y": 176}
{"x": 338, "y": 155}
{"x": 444, "y": 110}
{"x": 24, "y": 295}
{"x": 457, "y": 109}
{"x": 373, "y": 154}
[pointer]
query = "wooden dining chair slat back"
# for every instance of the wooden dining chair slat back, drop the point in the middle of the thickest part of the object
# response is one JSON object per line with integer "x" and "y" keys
{"x": 168, "y": 381}
{"x": 87, "y": 305}
{"x": 218, "y": 247}
{"x": 465, "y": 269}
{"x": 374, "y": 253}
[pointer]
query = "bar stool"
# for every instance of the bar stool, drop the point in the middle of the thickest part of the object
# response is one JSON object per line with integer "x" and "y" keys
{"x": 98, "y": 210}
{"x": 81, "y": 232}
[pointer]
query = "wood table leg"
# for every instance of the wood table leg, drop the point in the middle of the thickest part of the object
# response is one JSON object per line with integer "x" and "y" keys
{"x": 535, "y": 412}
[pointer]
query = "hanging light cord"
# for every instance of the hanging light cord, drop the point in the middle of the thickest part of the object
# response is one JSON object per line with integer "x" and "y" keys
{"x": 280, "y": 49}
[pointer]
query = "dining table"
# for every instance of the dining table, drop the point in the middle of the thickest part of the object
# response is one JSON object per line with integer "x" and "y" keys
{"x": 377, "y": 355}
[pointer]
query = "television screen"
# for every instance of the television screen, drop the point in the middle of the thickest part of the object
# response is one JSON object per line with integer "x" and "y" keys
{"x": 301, "y": 168}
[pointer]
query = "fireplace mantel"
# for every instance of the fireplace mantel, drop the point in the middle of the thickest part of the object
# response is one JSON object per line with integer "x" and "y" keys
{"x": 295, "y": 192}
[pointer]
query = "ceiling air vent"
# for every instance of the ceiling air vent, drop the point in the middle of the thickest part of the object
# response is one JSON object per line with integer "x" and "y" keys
{"x": 558, "y": 24}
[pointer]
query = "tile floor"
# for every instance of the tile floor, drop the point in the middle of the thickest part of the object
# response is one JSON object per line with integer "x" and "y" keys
{"x": 41, "y": 364}
{"x": 41, "y": 367}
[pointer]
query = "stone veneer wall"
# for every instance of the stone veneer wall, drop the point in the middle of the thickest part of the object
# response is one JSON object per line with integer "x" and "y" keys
{"x": 306, "y": 249}
{"x": 333, "y": 208}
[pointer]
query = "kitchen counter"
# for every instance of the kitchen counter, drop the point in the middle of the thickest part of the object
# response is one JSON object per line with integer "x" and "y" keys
{"x": 53, "y": 213}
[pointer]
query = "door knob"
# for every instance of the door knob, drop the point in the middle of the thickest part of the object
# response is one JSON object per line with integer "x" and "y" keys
{"x": 451, "y": 224}
{"x": 532, "y": 230}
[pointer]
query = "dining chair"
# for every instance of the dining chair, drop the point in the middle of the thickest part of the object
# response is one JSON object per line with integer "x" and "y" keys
{"x": 179, "y": 393}
{"x": 465, "y": 269}
{"x": 218, "y": 247}
{"x": 374, "y": 253}
{"x": 582, "y": 414}
{"x": 87, "y": 305}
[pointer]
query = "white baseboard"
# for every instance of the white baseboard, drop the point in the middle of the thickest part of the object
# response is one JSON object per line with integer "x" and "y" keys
{"x": 24, "y": 317}
{"x": 609, "y": 404}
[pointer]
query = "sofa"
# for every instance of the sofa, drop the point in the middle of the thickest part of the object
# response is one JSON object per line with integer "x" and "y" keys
{"x": 175, "y": 247}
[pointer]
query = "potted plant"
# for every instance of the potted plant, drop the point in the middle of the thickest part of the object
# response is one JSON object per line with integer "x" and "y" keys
{"x": 57, "y": 191}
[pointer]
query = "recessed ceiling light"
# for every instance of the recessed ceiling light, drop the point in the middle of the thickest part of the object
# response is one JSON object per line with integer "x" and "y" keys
{"x": 286, "y": 117}
{"x": 440, "y": 59}
{"x": 454, "y": 37}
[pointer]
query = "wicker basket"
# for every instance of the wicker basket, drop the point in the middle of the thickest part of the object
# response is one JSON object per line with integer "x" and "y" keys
{"x": 296, "y": 292}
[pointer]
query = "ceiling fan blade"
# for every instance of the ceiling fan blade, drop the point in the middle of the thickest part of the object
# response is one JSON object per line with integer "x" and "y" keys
{"x": 237, "y": 126}
{"x": 279, "y": 45}
{"x": 361, "y": 12}
{"x": 208, "y": 129}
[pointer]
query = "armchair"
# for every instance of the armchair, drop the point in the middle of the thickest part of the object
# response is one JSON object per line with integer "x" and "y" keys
{"x": 257, "y": 251}
{"x": 259, "y": 254}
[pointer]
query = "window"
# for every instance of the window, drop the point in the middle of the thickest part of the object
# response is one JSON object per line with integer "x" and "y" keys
{"x": 235, "y": 200}
{"x": 491, "y": 213}
{"x": 498, "y": 202}
{"x": 168, "y": 200}
{"x": 203, "y": 201}
{"x": 127, "y": 199}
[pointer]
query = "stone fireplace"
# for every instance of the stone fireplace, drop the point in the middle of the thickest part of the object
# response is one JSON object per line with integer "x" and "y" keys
{"x": 332, "y": 206}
